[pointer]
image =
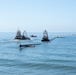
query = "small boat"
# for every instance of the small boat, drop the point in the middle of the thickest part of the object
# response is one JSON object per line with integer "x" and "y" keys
{"x": 21, "y": 37}
{"x": 24, "y": 36}
{"x": 33, "y": 36}
{"x": 18, "y": 35}
{"x": 45, "y": 36}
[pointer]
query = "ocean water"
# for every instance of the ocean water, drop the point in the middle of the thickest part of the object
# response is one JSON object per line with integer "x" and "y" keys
{"x": 57, "y": 57}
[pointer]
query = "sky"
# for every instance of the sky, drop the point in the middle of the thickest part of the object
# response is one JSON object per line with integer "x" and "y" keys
{"x": 38, "y": 15}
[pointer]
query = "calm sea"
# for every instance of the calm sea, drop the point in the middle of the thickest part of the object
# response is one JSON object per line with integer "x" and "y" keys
{"x": 57, "y": 57}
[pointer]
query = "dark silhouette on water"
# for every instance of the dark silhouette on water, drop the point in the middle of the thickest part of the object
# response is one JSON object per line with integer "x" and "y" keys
{"x": 21, "y": 37}
{"x": 28, "y": 45}
{"x": 33, "y": 36}
{"x": 24, "y": 36}
{"x": 18, "y": 35}
{"x": 45, "y": 36}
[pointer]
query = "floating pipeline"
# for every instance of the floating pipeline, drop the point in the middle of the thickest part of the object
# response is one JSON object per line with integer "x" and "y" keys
{"x": 53, "y": 38}
{"x": 33, "y": 45}
{"x": 56, "y": 38}
{"x": 28, "y": 45}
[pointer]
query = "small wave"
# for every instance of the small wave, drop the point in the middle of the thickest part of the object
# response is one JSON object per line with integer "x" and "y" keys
{"x": 45, "y": 66}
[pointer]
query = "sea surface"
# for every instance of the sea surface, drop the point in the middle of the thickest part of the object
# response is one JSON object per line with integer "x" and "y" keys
{"x": 57, "y": 57}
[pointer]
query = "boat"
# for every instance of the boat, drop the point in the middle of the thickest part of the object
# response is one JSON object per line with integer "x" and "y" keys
{"x": 21, "y": 37}
{"x": 45, "y": 36}
{"x": 24, "y": 36}
{"x": 33, "y": 36}
{"x": 18, "y": 35}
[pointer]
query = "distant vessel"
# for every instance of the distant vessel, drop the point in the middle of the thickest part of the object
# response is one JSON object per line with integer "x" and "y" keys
{"x": 33, "y": 36}
{"x": 24, "y": 36}
{"x": 21, "y": 37}
{"x": 45, "y": 36}
{"x": 18, "y": 35}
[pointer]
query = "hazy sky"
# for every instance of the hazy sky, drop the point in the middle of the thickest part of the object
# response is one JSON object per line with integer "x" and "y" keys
{"x": 38, "y": 15}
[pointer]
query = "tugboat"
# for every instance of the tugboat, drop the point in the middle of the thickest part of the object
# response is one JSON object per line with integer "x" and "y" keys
{"x": 45, "y": 36}
{"x": 21, "y": 37}
{"x": 24, "y": 36}
{"x": 18, "y": 35}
